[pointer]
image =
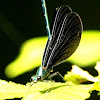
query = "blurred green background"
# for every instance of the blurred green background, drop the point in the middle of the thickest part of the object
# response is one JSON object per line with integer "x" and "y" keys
{"x": 23, "y": 20}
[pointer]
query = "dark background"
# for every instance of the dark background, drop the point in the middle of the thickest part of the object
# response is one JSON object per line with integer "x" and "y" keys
{"x": 22, "y": 20}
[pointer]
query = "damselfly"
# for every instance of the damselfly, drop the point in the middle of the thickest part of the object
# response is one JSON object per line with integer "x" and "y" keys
{"x": 62, "y": 42}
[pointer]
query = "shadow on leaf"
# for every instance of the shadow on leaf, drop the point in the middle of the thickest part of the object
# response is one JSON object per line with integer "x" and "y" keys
{"x": 50, "y": 89}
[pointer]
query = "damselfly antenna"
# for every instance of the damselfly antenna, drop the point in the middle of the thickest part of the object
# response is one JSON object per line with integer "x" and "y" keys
{"x": 46, "y": 18}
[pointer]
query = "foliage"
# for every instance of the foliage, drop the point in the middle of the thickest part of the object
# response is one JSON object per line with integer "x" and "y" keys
{"x": 30, "y": 57}
{"x": 32, "y": 50}
{"x": 71, "y": 90}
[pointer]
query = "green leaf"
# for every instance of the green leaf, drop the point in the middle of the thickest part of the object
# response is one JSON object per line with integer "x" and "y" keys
{"x": 29, "y": 57}
{"x": 10, "y": 90}
{"x": 43, "y": 91}
{"x": 53, "y": 90}
{"x": 88, "y": 51}
{"x": 97, "y": 67}
{"x": 96, "y": 86}
{"x": 98, "y": 93}
{"x": 78, "y": 75}
{"x": 31, "y": 52}
{"x": 57, "y": 91}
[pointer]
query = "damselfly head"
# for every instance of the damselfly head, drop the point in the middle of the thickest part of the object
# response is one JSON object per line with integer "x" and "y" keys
{"x": 35, "y": 78}
{"x": 41, "y": 72}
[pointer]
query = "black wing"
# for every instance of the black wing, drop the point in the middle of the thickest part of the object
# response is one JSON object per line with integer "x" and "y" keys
{"x": 65, "y": 38}
{"x": 58, "y": 15}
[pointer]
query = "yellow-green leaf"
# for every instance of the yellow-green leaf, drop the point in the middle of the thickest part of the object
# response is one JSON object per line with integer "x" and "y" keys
{"x": 57, "y": 91}
{"x": 97, "y": 67}
{"x": 29, "y": 57}
{"x": 88, "y": 51}
{"x": 78, "y": 75}
{"x": 46, "y": 91}
{"x": 10, "y": 90}
{"x": 31, "y": 52}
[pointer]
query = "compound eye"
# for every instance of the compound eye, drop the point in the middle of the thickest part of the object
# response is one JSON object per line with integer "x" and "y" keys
{"x": 31, "y": 79}
{"x": 38, "y": 77}
{"x": 34, "y": 79}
